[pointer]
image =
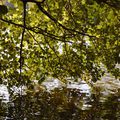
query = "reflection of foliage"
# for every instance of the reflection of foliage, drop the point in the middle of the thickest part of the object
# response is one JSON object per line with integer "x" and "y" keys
{"x": 107, "y": 87}
{"x": 45, "y": 105}
{"x": 59, "y": 38}
{"x": 3, "y": 109}
{"x": 113, "y": 108}
{"x": 61, "y": 104}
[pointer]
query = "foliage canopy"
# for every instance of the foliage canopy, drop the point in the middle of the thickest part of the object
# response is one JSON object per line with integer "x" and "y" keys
{"x": 59, "y": 38}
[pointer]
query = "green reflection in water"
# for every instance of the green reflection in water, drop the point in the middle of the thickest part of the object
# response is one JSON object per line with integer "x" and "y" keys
{"x": 60, "y": 104}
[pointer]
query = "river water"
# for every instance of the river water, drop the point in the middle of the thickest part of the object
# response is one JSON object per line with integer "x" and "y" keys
{"x": 73, "y": 101}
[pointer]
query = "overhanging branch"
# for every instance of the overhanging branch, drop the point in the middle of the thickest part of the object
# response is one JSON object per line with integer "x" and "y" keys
{"x": 21, "y": 42}
{"x": 37, "y": 31}
{"x": 61, "y": 25}
{"x": 39, "y": 4}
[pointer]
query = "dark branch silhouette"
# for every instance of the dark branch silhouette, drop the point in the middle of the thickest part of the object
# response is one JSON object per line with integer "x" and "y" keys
{"x": 53, "y": 19}
{"x": 41, "y": 31}
{"x": 39, "y": 4}
{"x": 21, "y": 42}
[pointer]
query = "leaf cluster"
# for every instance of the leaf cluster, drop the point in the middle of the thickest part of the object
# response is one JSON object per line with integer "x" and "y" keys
{"x": 62, "y": 39}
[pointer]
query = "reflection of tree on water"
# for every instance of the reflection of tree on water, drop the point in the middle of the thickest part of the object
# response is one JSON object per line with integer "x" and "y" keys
{"x": 62, "y": 104}
{"x": 112, "y": 113}
{"x": 106, "y": 87}
{"x": 107, "y": 110}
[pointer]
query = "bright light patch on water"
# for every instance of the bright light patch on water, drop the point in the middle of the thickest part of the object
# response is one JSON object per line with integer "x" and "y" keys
{"x": 51, "y": 84}
{"x": 4, "y": 95}
{"x": 83, "y": 87}
{"x": 55, "y": 83}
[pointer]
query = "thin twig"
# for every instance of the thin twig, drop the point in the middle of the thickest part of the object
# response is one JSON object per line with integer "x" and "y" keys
{"x": 36, "y": 41}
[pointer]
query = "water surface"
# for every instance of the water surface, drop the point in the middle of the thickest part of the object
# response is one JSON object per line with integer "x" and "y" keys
{"x": 58, "y": 102}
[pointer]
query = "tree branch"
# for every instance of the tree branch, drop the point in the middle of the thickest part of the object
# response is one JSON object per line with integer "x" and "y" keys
{"x": 61, "y": 25}
{"x": 21, "y": 43}
{"x": 37, "y": 31}
{"x": 53, "y": 19}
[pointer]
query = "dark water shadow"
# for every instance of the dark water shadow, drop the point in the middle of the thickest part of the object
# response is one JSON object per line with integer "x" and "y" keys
{"x": 60, "y": 104}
